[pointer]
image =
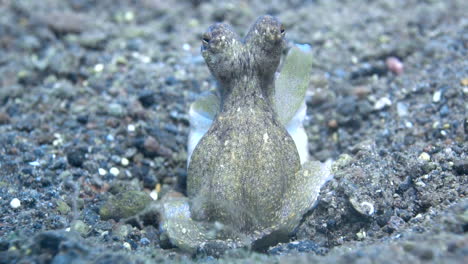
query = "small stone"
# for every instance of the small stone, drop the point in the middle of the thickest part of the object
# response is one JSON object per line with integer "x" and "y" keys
{"x": 154, "y": 195}
{"x": 114, "y": 171}
{"x": 186, "y": 46}
{"x": 365, "y": 208}
{"x": 394, "y": 65}
{"x": 76, "y": 156}
{"x": 342, "y": 162}
{"x": 402, "y": 109}
{"x": 122, "y": 231}
{"x": 66, "y": 22}
{"x": 98, "y": 67}
{"x": 424, "y": 156}
{"x": 131, "y": 128}
{"x": 124, "y": 205}
{"x": 152, "y": 148}
{"x": 464, "y": 81}
{"x": 461, "y": 167}
{"x": 58, "y": 139}
{"x": 116, "y": 110}
{"x": 333, "y": 124}
{"x": 147, "y": 98}
{"x": 129, "y": 16}
{"x": 361, "y": 235}
{"x": 303, "y": 246}
{"x": 4, "y": 118}
{"x": 81, "y": 227}
{"x": 15, "y": 203}
{"x": 102, "y": 171}
{"x": 444, "y": 111}
{"x": 437, "y": 96}
{"x": 420, "y": 184}
{"x": 382, "y": 103}
{"x": 127, "y": 246}
{"x": 144, "y": 241}
{"x": 93, "y": 39}
{"x": 82, "y": 119}
{"x": 361, "y": 91}
{"x": 124, "y": 161}
{"x": 63, "y": 207}
{"x": 395, "y": 223}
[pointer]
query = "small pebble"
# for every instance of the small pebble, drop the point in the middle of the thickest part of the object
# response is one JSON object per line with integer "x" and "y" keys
{"x": 437, "y": 96}
{"x": 4, "y": 118}
{"x": 129, "y": 16}
{"x": 402, "y": 109}
{"x": 144, "y": 241}
{"x": 424, "y": 156}
{"x": 15, "y": 203}
{"x": 146, "y": 99}
{"x": 186, "y": 47}
{"x": 35, "y": 163}
{"x": 461, "y": 167}
{"x": 154, "y": 195}
{"x": 382, "y": 103}
{"x": 444, "y": 111}
{"x": 127, "y": 246}
{"x": 131, "y": 128}
{"x": 81, "y": 227}
{"x": 395, "y": 223}
{"x": 58, "y": 139}
{"x": 114, "y": 171}
{"x": 361, "y": 91}
{"x": 98, "y": 67}
{"x": 124, "y": 204}
{"x": 420, "y": 184}
{"x": 361, "y": 235}
{"x": 102, "y": 171}
{"x": 124, "y": 162}
{"x": 464, "y": 81}
{"x": 116, "y": 110}
{"x": 333, "y": 124}
{"x": 76, "y": 156}
{"x": 394, "y": 65}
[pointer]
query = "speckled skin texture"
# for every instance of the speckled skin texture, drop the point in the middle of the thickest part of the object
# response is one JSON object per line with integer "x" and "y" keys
{"x": 245, "y": 166}
{"x": 245, "y": 172}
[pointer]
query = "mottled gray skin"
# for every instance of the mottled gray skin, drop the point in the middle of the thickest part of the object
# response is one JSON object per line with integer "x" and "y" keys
{"x": 243, "y": 169}
{"x": 245, "y": 172}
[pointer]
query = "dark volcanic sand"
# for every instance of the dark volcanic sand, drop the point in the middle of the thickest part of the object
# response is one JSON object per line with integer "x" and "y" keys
{"x": 93, "y": 108}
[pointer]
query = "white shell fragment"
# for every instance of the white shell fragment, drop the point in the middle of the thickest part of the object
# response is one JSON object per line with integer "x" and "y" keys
{"x": 15, "y": 203}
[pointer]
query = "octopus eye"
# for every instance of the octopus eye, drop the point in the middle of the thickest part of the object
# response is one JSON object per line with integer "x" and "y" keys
{"x": 206, "y": 38}
{"x": 282, "y": 29}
